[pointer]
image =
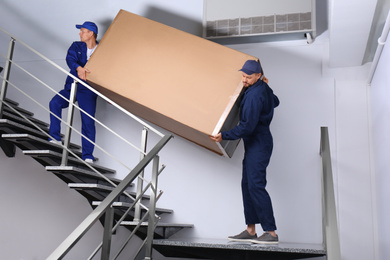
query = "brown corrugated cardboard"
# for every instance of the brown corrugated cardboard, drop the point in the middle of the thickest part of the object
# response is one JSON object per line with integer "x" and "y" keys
{"x": 181, "y": 82}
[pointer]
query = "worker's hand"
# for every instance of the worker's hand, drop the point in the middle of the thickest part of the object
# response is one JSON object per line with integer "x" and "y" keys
{"x": 216, "y": 138}
{"x": 265, "y": 79}
{"x": 82, "y": 73}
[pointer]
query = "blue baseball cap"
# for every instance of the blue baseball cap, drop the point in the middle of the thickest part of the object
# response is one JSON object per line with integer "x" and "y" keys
{"x": 250, "y": 67}
{"x": 88, "y": 25}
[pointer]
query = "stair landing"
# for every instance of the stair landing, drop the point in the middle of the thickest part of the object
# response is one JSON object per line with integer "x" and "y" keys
{"x": 223, "y": 249}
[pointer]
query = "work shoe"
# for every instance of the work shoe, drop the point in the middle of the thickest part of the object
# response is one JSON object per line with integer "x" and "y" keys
{"x": 88, "y": 160}
{"x": 244, "y": 236}
{"x": 266, "y": 238}
{"x": 53, "y": 141}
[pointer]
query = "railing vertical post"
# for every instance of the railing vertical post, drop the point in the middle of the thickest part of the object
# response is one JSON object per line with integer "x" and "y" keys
{"x": 152, "y": 209}
{"x": 7, "y": 70}
{"x": 144, "y": 140}
{"x": 107, "y": 235}
{"x": 331, "y": 238}
{"x": 68, "y": 132}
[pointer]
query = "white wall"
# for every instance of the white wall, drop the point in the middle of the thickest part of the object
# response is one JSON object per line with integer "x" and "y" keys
{"x": 380, "y": 93}
{"x": 355, "y": 187}
{"x": 201, "y": 187}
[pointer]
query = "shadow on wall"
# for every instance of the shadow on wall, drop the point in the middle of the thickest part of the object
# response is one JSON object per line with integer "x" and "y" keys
{"x": 322, "y": 16}
{"x": 103, "y": 26}
{"x": 174, "y": 20}
{"x": 162, "y": 16}
{"x": 29, "y": 22}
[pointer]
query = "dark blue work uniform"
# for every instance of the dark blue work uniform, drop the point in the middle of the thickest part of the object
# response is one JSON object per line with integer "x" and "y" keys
{"x": 256, "y": 112}
{"x": 77, "y": 56}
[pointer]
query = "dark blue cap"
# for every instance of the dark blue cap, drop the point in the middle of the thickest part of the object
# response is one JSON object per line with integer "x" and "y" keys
{"x": 88, "y": 25}
{"x": 250, "y": 67}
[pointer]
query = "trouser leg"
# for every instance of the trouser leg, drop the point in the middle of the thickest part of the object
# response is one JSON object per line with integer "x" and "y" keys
{"x": 249, "y": 212}
{"x": 257, "y": 202}
{"x": 87, "y": 102}
{"x": 57, "y": 103}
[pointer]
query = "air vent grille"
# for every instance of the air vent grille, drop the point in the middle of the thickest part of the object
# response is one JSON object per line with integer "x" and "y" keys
{"x": 258, "y": 25}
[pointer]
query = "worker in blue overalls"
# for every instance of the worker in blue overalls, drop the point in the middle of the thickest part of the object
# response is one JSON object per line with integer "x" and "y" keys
{"x": 256, "y": 113}
{"x": 78, "y": 54}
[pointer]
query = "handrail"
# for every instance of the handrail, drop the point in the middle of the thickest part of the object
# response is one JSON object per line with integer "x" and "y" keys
{"x": 6, "y": 73}
{"x": 105, "y": 207}
{"x": 76, "y": 106}
{"x": 83, "y": 83}
{"x": 67, "y": 149}
{"x": 330, "y": 229}
{"x": 6, "y": 82}
{"x": 72, "y": 239}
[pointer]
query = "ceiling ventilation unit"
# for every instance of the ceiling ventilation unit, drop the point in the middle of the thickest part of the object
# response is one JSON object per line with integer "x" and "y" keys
{"x": 231, "y": 18}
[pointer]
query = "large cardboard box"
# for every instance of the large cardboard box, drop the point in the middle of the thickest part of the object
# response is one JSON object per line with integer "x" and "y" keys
{"x": 181, "y": 82}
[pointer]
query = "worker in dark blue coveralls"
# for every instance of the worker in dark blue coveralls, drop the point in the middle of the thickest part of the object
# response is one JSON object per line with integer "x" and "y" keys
{"x": 256, "y": 113}
{"x": 78, "y": 54}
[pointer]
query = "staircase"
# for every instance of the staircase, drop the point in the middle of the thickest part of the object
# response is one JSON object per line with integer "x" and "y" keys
{"x": 20, "y": 129}
{"x": 18, "y": 132}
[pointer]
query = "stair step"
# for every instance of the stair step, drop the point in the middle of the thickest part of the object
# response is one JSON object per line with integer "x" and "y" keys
{"x": 99, "y": 192}
{"x": 80, "y": 171}
{"x": 99, "y": 187}
{"x": 222, "y": 249}
{"x": 76, "y": 175}
{"x": 163, "y": 230}
{"x": 11, "y": 127}
{"x": 120, "y": 204}
{"x": 90, "y": 186}
{"x": 145, "y": 224}
{"x": 21, "y": 120}
{"x": 31, "y": 142}
{"x": 11, "y": 102}
{"x": 51, "y": 158}
{"x": 19, "y": 109}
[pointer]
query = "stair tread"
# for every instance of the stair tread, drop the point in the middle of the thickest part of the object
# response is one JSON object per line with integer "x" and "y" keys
{"x": 97, "y": 186}
{"x": 31, "y": 138}
{"x": 58, "y": 156}
{"x": 90, "y": 186}
{"x": 18, "y": 128}
{"x": 128, "y": 205}
{"x": 77, "y": 170}
{"x": 159, "y": 224}
{"x": 15, "y": 127}
{"x": 10, "y": 115}
{"x": 12, "y": 102}
{"x": 19, "y": 109}
{"x": 82, "y": 174}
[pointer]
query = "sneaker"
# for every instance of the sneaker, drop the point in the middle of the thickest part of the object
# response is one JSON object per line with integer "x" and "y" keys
{"x": 53, "y": 141}
{"x": 266, "y": 238}
{"x": 244, "y": 236}
{"x": 88, "y": 160}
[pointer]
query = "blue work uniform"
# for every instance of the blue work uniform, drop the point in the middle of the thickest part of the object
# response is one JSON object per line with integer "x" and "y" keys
{"x": 256, "y": 113}
{"x": 77, "y": 56}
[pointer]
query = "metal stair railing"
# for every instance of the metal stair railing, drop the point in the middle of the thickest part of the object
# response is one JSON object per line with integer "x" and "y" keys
{"x": 330, "y": 230}
{"x": 104, "y": 207}
{"x": 135, "y": 172}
